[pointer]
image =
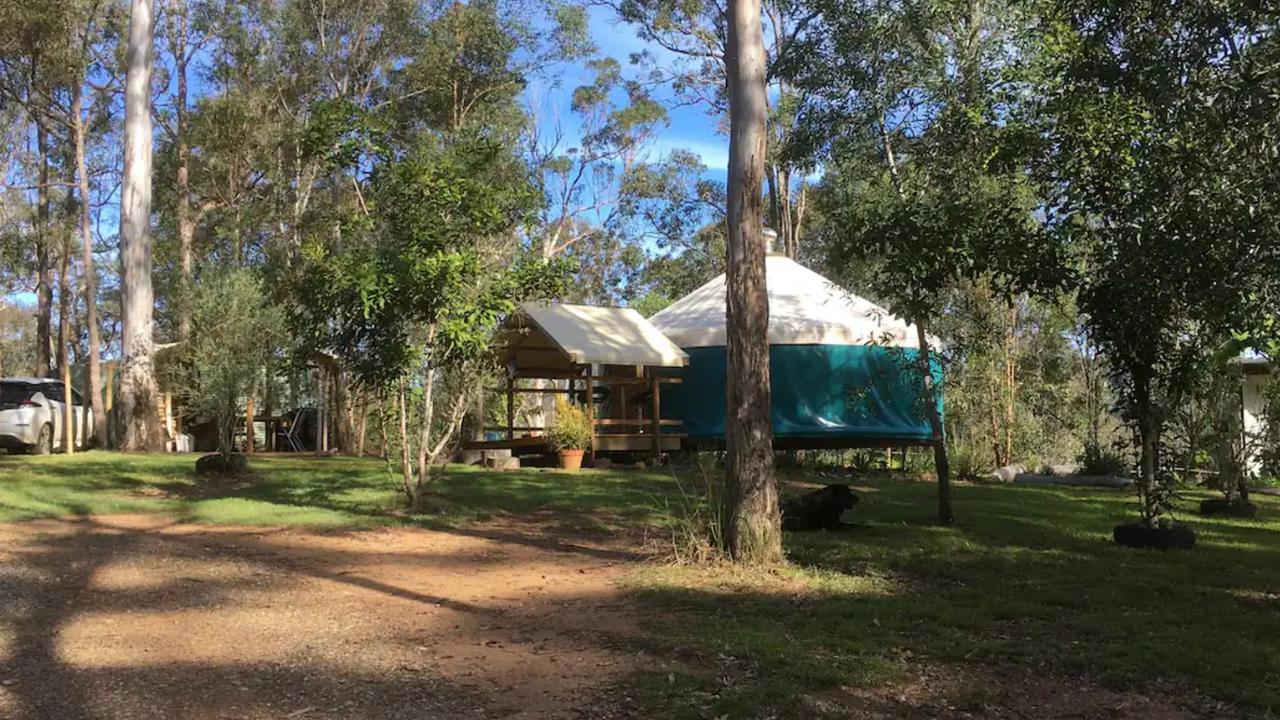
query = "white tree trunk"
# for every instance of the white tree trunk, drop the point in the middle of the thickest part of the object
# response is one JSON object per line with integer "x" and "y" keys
{"x": 139, "y": 408}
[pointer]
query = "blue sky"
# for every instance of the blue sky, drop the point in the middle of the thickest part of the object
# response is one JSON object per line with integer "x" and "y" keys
{"x": 691, "y": 128}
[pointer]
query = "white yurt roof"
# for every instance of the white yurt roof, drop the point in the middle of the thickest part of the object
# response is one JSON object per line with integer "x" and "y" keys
{"x": 804, "y": 309}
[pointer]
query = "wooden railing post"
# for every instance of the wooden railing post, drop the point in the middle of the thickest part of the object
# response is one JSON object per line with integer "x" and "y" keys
{"x": 248, "y": 424}
{"x": 168, "y": 421}
{"x": 591, "y": 412}
{"x": 511, "y": 407}
{"x": 68, "y": 412}
{"x": 656, "y": 403}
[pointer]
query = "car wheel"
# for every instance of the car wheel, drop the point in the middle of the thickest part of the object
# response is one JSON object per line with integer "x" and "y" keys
{"x": 44, "y": 441}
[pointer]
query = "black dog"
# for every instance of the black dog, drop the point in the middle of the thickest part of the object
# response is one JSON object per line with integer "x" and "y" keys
{"x": 818, "y": 510}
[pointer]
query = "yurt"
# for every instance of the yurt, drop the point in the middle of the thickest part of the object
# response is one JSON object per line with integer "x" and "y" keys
{"x": 844, "y": 370}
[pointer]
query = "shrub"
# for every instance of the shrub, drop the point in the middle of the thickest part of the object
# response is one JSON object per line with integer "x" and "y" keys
{"x": 235, "y": 335}
{"x": 571, "y": 430}
{"x": 693, "y": 522}
{"x": 964, "y": 462}
{"x": 1267, "y": 481}
{"x": 1096, "y": 460}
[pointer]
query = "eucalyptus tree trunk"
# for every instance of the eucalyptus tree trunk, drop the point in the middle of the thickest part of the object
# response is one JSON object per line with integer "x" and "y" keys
{"x": 406, "y": 474}
{"x": 185, "y": 217}
{"x": 94, "y": 388}
{"x": 139, "y": 396}
{"x": 65, "y": 293}
{"x": 941, "y": 463}
{"x": 44, "y": 270}
{"x": 1149, "y": 442}
{"x": 752, "y": 520}
{"x": 929, "y": 395}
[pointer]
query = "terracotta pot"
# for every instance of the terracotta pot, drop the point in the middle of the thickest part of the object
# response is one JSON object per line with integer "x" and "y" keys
{"x": 571, "y": 460}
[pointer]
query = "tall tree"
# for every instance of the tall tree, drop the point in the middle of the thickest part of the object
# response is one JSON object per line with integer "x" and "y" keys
{"x": 44, "y": 249}
{"x": 88, "y": 30}
{"x": 1162, "y": 125}
{"x": 913, "y": 107}
{"x": 694, "y": 46}
{"x": 94, "y": 388}
{"x": 139, "y": 395}
{"x": 752, "y": 522}
{"x": 183, "y": 49}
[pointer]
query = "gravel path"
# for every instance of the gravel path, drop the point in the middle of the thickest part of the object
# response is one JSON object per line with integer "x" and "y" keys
{"x": 108, "y": 618}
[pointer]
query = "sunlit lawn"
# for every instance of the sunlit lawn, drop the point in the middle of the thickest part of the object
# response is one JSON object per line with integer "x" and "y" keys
{"x": 1027, "y": 578}
{"x": 304, "y": 490}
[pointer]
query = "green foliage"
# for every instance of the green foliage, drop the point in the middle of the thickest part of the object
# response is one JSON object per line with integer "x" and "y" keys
{"x": 1097, "y": 460}
{"x": 1159, "y": 122}
{"x": 425, "y": 265}
{"x": 17, "y": 336}
{"x": 691, "y": 263}
{"x": 965, "y": 462}
{"x": 466, "y": 71}
{"x": 236, "y": 333}
{"x": 1013, "y": 383}
{"x": 570, "y": 430}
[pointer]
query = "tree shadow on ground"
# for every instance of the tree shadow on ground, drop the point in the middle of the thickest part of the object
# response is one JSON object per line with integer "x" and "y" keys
{"x": 106, "y": 619}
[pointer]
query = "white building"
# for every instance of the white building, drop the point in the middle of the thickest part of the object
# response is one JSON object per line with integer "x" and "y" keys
{"x": 1256, "y": 371}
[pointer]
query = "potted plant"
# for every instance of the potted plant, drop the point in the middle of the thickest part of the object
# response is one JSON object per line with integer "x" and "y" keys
{"x": 570, "y": 434}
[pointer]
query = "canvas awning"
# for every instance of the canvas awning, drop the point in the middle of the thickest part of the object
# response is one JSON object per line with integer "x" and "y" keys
{"x": 588, "y": 335}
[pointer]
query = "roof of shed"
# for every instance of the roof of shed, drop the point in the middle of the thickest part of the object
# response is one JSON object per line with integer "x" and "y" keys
{"x": 603, "y": 335}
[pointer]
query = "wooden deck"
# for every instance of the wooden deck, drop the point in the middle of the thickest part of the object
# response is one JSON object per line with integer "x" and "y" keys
{"x": 622, "y": 442}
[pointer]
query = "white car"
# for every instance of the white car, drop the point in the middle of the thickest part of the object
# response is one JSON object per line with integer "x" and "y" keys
{"x": 32, "y": 412}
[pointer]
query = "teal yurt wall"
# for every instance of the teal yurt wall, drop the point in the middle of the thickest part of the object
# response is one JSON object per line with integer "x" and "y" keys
{"x": 819, "y": 391}
{"x": 842, "y": 369}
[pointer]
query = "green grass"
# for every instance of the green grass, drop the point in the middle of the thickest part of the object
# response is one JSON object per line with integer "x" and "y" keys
{"x": 1027, "y": 578}
{"x": 308, "y": 491}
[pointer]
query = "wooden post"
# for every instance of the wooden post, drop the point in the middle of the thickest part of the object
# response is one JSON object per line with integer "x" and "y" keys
{"x": 591, "y": 412}
{"x": 268, "y": 398}
{"x": 320, "y": 408}
{"x": 110, "y": 384}
{"x": 656, "y": 420}
{"x": 511, "y": 407}
{"x": 248, "y": 425}
{"x": 68, "y": 414}
{"x": 110, "y": 402}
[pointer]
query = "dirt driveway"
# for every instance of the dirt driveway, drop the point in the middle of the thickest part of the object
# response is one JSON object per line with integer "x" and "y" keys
{"x": 141, "y": 617}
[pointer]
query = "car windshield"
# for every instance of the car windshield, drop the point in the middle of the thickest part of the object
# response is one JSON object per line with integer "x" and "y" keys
{"x": 13, "y": 394}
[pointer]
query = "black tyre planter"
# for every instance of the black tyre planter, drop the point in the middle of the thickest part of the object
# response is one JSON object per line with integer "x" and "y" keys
{"x": 1172, "y": 537}
{"x": 1222, "y": 506}
{"x": 219, "y": 464}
